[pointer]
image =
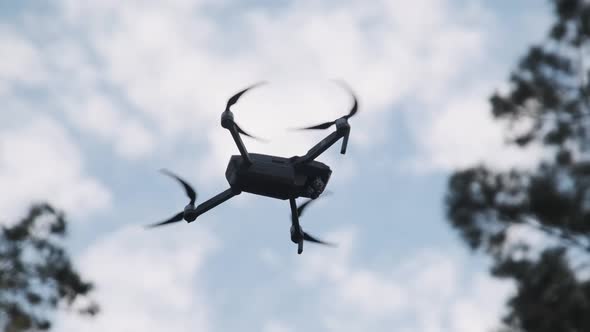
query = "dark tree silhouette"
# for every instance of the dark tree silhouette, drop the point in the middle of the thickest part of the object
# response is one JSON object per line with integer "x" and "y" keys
{"x": 548, "y": 103}
{"x": 36, "y": 274}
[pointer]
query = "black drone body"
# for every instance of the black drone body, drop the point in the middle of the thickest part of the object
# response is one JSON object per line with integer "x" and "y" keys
{"x": 271, "y": 176}
{"x": 277, "y": 177}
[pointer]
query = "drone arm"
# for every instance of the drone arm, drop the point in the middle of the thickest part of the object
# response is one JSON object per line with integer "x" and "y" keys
{"x": 320, "y": 148}
{"x": 236, "y": 136}
{"x": 227, "y": 122}
{"x": 344, "y": 143}
{"x": 297, "y": 234}
{"x": 342, "y": 131}
{"x": 214, "y": 201}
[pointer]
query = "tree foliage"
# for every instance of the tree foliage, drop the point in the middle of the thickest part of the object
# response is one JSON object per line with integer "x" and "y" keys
{"x": 548, "y": 103}
{"x": 36, "y": 274}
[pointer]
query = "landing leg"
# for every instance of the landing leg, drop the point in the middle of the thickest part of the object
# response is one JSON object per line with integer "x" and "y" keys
{"x": 296, "y": 231}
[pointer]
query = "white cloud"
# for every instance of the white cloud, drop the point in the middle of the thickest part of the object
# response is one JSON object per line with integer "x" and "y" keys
{"x": 460, "y": 133}
{"x": 98, "y": 115}
{"x": 428, "y": 291}
{"x": 151, "y": 281}
{"x": 147, "y": 281}
{"x": 269, "y": 257}
{"x": 276, "y": 326}
{"x": 40, "y": 162}
{"x": 453, "y": 127}
{"x": 20, "y": 59}
{"x": 173, "y": 66}
{"x": 141, "y": 76}
{"x": 63, "y": 70}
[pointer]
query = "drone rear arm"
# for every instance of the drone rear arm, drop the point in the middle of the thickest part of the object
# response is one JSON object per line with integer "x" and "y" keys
{"x": 240, "y": 144}
{"x": 227, "y": 122}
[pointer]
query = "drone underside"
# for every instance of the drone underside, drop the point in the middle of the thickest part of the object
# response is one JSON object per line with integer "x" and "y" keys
{"x": 271, "y": 176}
{"x": 276, "y": 177}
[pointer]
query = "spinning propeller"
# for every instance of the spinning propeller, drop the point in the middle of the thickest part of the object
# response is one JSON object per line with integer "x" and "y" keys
{"x": 306, "y": 236}
{"x": 350, "y": 114}
{"x": 231, "y": 101}
{"x": 186, "y": 214}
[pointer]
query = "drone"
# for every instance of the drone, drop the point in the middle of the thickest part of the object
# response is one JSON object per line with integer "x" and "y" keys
{"x": 271, "y": 176}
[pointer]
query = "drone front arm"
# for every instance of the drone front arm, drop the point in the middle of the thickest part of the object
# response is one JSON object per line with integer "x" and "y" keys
{"x": 294, "y": 213}
{"x": 320, "y": 148}
{"x": 296, "y": 231}
{"x": 213, "y": 202}
{"x": 342, "y": 131}
{"x": 344, "y": 143}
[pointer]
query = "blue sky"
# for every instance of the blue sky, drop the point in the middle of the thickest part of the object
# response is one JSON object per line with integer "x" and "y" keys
{"x": 99, "y": 95}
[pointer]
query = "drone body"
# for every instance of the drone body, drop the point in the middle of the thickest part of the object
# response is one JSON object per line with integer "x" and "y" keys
{"x": 277, "y": 177}
{"x": 271, "y": 176}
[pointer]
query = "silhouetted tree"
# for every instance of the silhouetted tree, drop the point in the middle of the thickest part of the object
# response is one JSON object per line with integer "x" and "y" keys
{"x": 548, "y": 103}
{"x": 36, "y": 275}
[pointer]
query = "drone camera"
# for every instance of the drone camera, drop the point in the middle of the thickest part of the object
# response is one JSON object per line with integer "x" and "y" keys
{"x": 316, "y": 187}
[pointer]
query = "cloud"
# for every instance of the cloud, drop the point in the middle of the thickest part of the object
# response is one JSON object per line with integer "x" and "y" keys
{"x": 39, "y": 162}
{"x": 430, "y": 290}
{"x": 460, "y": 133}
{"x": 146, "y": 282}
{"x": 71, "y": 83}
{"x": 144, "y": 76}
{"x": 20, "y": 61}
{"x": 276, "y": 326}
{"x": 96, "y": 114}
{"x": 453, "y": 127}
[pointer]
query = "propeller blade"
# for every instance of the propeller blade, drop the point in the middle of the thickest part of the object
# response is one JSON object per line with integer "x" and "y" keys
{"x": 190, "y": 192}
{"x": 234, "y": 99}
{"x": 324, "y": 125}
{"x": 351, "y": 113}
{"x": 354, "y": 108}
{"x": 241, "y": 131}
{"x": 302, "y": 207}
{"x": 237, "y": 96}
{"x": 355, "y": 105}
{"x": 310, "y": 238}
{"x": 178, "y": 217}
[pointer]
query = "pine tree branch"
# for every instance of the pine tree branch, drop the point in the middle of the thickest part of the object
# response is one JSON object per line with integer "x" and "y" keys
{"x": 563, "y": 236}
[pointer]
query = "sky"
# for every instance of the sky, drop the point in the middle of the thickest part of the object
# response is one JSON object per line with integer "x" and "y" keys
{"x": 97, "y": 96}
